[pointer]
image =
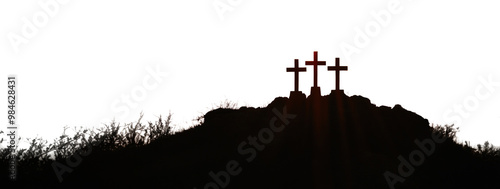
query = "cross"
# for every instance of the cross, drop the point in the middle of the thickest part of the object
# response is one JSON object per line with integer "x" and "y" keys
{"x": 315, "y": 63}
{"x": 337, "y": 68}
{"x": 296, "y": 69}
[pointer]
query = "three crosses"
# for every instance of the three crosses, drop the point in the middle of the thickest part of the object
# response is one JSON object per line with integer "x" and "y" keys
{"x": 315, "y": 63}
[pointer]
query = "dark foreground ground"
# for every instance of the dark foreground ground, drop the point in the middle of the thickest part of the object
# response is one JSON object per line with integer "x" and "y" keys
{"x": 333, "y": 141}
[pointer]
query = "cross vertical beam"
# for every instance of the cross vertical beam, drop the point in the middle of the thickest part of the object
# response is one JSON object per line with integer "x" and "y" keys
{"x": 296, "y": 69}
{"x": 337, "y": 68}
{"x": 315, "y": 63}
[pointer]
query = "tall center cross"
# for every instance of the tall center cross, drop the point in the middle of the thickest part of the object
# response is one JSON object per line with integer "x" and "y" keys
{"x": 337, "y": 68}
{"x": 316, "y": 63}
{"x": 296, "y": 69}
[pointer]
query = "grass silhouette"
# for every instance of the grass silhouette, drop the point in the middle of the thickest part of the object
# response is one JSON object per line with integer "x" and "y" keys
{"x": 111, "y": 137}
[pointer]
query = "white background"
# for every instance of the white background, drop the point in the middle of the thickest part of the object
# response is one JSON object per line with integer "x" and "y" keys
{"x": 85, "y": 55}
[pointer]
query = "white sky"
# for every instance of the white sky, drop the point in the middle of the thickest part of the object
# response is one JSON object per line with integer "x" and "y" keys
{"x": 75, "y": 69}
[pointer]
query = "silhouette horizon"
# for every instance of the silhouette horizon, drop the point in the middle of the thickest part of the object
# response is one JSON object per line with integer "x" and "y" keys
{"x": 315, "y": 141}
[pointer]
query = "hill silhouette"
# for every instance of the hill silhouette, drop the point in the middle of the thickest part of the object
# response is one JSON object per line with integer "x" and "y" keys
{"x": 333, "y": 141}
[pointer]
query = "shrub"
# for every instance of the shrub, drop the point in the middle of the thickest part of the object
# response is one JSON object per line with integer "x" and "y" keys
{"x": 108, "y": 138}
